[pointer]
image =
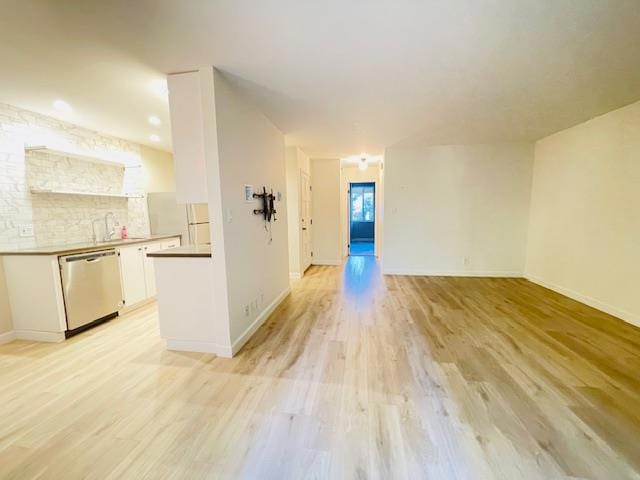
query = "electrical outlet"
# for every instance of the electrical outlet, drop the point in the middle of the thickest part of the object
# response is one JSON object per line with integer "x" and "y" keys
{"x": 467, "y": 261}
{"x": 26, "y": 230}
{"x": 246, "y": 310}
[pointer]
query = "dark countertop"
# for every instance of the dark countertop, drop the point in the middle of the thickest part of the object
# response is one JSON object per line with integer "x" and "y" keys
{"x": 193, "y": 251}
{"x": 71, "y": 248}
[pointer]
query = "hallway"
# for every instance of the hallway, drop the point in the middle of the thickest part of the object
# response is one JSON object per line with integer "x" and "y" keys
{"x": 362, "y": 248}
{"x": 355, "y": 375}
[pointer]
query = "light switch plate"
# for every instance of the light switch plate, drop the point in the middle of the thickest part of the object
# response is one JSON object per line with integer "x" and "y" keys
{"x": 26, "y": 230}
{"x": 248, "y": 193}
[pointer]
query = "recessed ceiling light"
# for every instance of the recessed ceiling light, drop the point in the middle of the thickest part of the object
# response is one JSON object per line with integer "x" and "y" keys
{"x": 154, "y": 138}
{"x": 153, "y": 120}
{"x": 62, "y": 106}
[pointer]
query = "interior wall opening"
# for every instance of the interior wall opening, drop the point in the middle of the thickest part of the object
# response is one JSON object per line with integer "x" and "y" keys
{"x": 362, "y": 218}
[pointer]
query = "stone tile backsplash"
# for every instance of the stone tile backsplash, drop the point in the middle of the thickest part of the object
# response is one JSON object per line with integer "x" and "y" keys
{"x": 61, "y": 218}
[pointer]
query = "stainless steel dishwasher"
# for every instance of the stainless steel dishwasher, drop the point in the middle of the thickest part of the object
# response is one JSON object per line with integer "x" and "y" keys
{"x": 92, "y": 288}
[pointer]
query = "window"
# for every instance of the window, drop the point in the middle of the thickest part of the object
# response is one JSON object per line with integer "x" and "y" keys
{"x": 362, "y": 203}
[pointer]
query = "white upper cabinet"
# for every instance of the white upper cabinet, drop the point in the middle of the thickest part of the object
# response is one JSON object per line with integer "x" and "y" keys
{"x": 185, "y": 105}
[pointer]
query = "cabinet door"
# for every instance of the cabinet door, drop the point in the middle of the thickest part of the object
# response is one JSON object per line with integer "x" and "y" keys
{"x": 134, "y": 287}
{"x": 149, "y": 272}
{"x": 185, "y": 106}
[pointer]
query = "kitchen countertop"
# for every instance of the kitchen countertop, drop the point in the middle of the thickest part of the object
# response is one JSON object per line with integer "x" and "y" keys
{"x": 71, "y": 248}
{"x": 197, "y": 251}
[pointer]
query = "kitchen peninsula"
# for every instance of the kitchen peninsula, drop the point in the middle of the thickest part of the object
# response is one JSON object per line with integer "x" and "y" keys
{"x": 191, "y": 310}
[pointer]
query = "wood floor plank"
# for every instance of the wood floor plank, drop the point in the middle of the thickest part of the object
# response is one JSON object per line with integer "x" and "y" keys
{"x": 355, "y": 375}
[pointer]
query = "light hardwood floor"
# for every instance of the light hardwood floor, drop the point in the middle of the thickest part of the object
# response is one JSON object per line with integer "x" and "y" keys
{"x": 354, "y": 376}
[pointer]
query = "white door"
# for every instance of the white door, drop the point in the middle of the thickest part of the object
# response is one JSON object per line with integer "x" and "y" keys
{"x": 134, "y": 287}
{"x": 306, "y": 223}
{"x": 149, "y": 271}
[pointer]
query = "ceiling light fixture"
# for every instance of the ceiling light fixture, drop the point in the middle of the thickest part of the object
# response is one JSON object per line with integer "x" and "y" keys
{"x": 362, "y": 165}
{"x": 62, "y": 106}
{"x": 154, "y": 138}
{"x": 153, "y": 120}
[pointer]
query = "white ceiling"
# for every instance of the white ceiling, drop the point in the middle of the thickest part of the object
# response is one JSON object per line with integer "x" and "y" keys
{"x": 338, "y": 77}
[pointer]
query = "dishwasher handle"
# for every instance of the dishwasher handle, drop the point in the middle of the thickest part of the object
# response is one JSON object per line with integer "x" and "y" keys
{"x": 89, "y": 257}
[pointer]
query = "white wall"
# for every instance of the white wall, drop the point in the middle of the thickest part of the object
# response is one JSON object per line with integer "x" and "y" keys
{"x": 325, "y": 180}
{"x": 297, "y": 161}
{"x": 457, "y": 209}
{"x": 352, "y": 174}
{"x": 250, "y": 151}
{"x": 157, "y": 170}
{"x": 584, "y": 234}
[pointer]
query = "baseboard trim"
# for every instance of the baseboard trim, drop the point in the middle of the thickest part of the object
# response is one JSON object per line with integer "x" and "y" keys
{"x": 452, "y": 273}
{"x": 7, "y": 337}
{"x": 321, "y": 261}
{"x": 37, "y": 336}
{"x": 628, "y": 317}
{"x": 136, "y": 306}
{"x": 295, "y": 276}
{"x": 200, "y": 347}
{"x": 257, "y": 323}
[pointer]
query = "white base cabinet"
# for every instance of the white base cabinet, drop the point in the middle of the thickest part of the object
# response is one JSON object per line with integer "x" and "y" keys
{"x": 37, "y": 277}
{"x": 137, "y": 271}
{"x": 134, "y": 288}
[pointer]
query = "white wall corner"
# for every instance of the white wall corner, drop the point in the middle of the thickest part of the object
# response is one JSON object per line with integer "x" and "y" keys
{"x": 257, "y": 323}
{"x": 7, "y": 337}
{"x": 295, "y": 276}
{"x": 632, "y": 318}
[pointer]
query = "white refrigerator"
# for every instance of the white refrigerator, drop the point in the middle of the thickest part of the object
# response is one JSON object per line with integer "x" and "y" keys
{"x": 168, "y": 217}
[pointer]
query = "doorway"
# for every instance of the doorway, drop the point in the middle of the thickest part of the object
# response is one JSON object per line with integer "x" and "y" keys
{"x": 362, "y": 218}
{"x": 305, "y": 221}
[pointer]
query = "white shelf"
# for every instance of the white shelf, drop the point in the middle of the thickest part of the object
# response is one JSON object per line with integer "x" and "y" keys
{"x": 85, "y": 194}
{"x": 120, "y": 159}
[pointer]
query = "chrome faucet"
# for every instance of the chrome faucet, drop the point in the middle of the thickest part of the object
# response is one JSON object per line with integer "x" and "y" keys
{"x": 109, "y": 232}
{"x": 93, "y": 227}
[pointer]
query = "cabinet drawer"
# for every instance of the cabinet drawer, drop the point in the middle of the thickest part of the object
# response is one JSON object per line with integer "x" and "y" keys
{"x": 172, "y": 243}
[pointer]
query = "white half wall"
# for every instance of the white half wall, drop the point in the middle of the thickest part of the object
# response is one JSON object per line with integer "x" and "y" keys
{"x": 584, "y": 233}
{"x": 325, "y": 181}
{"x": 250, "y": 150}
{"x": 457, "y": 209}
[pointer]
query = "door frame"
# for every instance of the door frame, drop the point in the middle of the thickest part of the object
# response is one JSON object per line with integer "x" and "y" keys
{"x": 308, "y": 224}
{"x": 375, "y": 215}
